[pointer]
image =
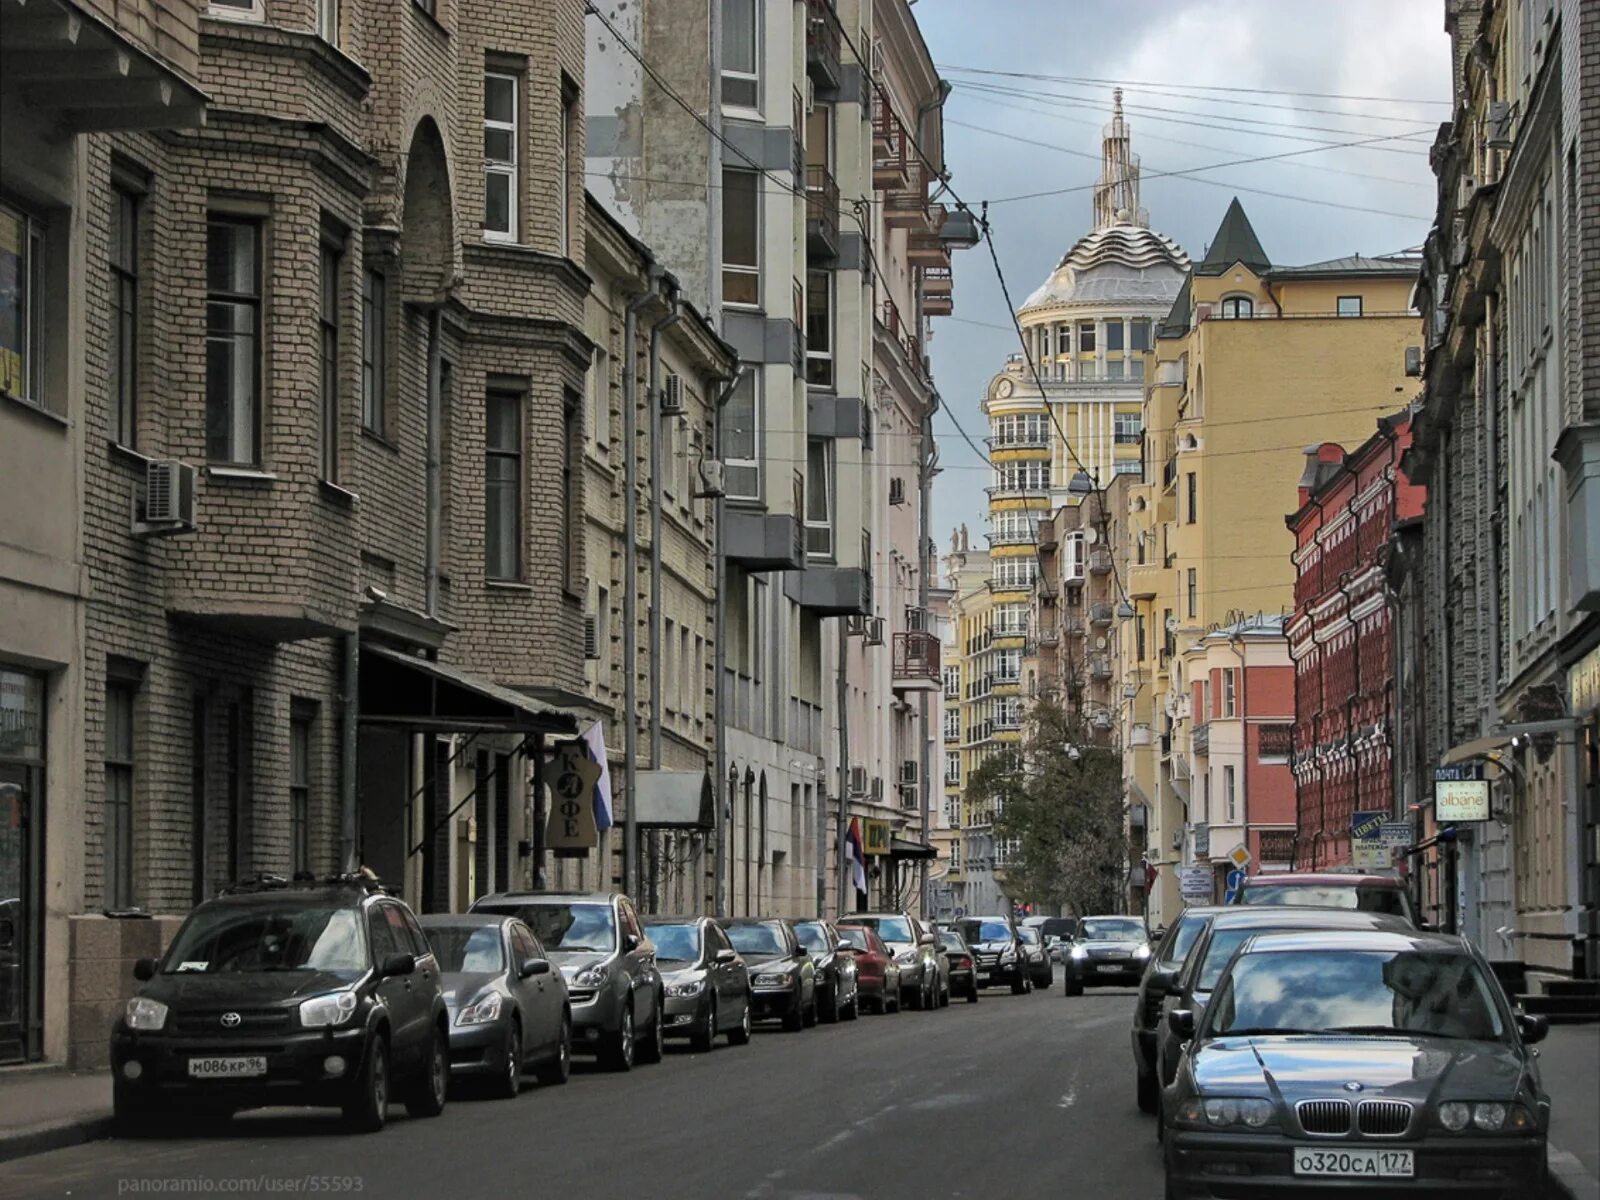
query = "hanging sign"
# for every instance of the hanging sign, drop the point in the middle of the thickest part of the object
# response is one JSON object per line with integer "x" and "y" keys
{"x": 1367, "y": 849}
{"x": 1460, "y": 794}
{"x": 875, "y": 836}
{"x": 571, "y": 775}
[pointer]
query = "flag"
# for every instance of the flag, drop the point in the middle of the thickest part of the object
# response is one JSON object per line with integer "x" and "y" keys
{"x": 594, "y": 745}
{"x": 1151, "y": 873}
{"x": 854, "y": 856}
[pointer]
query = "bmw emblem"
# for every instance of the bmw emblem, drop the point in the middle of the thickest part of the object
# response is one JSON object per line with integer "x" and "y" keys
{"x": 230, "y": 1020}
{"x": 1352, "y": 1086}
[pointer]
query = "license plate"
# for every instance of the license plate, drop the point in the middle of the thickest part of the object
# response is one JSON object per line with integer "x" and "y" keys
{"x": 227, "y": 1068}
{"x": 1107, "y": 967}
{"x": 1375, "y": 1164}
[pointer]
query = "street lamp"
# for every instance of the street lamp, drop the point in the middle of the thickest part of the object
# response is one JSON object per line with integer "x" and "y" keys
{"x": 1082, "y": 484}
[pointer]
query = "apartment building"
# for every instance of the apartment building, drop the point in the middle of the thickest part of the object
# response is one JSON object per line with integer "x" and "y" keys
{"x": 970, "y": 735}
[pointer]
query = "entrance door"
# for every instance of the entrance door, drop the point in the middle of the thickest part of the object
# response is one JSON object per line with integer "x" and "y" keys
{"x": 21, "y": 863}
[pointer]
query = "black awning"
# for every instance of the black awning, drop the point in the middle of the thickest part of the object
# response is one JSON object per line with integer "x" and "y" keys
{"x": 906, "y": 848}
{"x": 400, "y": 690}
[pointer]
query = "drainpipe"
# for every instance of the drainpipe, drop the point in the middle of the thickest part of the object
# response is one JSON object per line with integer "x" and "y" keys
{"x": 1355, "y": 670}
{"x": 719, "y": 663}
{"x": 1491, "y": 417}
{"x": 630, "y": 577}
{"x": 351, "y": 704}
{"x": 1236, "y": 644}
{"x": 929, "y": 468}
{"x": 435, "y": 438}
{"x": 653, "y": 401}
{"x": 842, "y": 700}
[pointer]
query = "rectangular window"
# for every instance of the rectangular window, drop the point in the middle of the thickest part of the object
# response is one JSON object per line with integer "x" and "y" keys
{"x": 1136, "y": 368}
{"x": 741, "y": 238}
{"x": 1086, "y": 337}
{"x": 1114, "y": 336}
{"x": 501, "y": 142}
{"x": 502, "y": 485}
{"x": 119, "y": 793}
{"x": 300, "y": 793}
{"x": 741, "y": 439}
{"x": 1128, "y": 428}
{"x": 328, "y": 325}
{"x": 685, "y": 678}
{"x": 741, "y": 54}
{"x": 1228, "y": 685}
{"x": 1127, "y": 466}
{"x": 819, "y": 329}
{"x": 233, "y": 340}
{"x": 1194, "y": 593}
{"x": 1349, "y": 306}
{"x": 328, "y": 21}
{"x": 819, "y": 498}
{"x": 21, "y": 321}
{"x": 1228, "y": 793}
{"x": 1114, "y": 368}
{"x": 246, "y": 9}
{"x": 124, "y": 348}
{"x": 571, "y": 501}
{"x": 1193, "y": 495}
{"x": 1139, "y": 335}
{"x": 1140, "y": 636}
{"x": 564, "y": 176}
{"x": 374, "y": 356}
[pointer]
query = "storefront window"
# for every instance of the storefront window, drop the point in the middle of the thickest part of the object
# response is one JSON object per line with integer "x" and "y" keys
{"x": 21, "y": 867}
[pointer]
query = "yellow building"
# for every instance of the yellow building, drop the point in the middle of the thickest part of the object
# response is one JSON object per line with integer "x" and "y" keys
{"x": 1253, "y": 363}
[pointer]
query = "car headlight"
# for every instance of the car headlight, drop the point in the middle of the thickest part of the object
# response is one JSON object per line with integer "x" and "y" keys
{"x": 1142, "y": 952}
{"x": 592, "y": 977}
{"x": 1490, "y": 1116}
{"x": 775, "y": 980}
{"x": 691, "y": 987}
{"x": 333, "y": 1009}
{"x": 1226, "y": 1112}
{"x": 482, "y": 1012}
{"x": 145, "y": 1014}
{"x": 1078, "y": 953}
{"x": 906, "y": 957}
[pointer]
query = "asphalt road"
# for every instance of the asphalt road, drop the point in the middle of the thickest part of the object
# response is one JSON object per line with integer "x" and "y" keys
{"x": 1014, "y": 1097}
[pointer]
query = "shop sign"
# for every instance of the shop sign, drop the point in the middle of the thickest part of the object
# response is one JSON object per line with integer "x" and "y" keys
{"x": 571, "y": 775}
{"x": 1583, "y": 684}
{"x": 874, "y": 836}
{"x": 1460, "y": 794}
{"x": 1367, "y": 850}
{"x": 1195, "y": 883}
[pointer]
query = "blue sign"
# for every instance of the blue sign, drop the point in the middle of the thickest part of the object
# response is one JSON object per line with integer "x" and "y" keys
{"x": 1364, "y": 825}
{"x": 1234, "y": 880}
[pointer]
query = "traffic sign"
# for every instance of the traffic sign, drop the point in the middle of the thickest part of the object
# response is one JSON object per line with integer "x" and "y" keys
{"x": 1235, "y": 878}
{"x": 571, "y": 775}
{"x": 1240, "y": 856}
{"x": 1397, "y": 835}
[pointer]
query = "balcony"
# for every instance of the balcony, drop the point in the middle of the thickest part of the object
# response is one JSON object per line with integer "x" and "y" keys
{"x": 1011, "y": 537}
{"x": 891, "y": 149}
{"x": 906, "y": 335}
{"x": 1008, "y": 721}
{"x": 927, "y": 250}
{"x": 1099, "y": 667}
{"x": 1049, "y": 637}
{"x": 1200, "y": 739}
{"x": 761, "y": 541}
{"x": 916, "y": 662}
{"x": 822, "y": 46}
{"x": 822, "y": 213}
{"x": 1277, "y": 741}
{"x": 1019, "y": 489}
{"x": 1139, "y": 735}
{"x": 1072, "y": 625}
{"x": 938, "y": 280}
{"x": 907, "y": 207}
{"x": 1145, "y": 581}
{"x": 1100, "y": 614}
{"x": 1100, "y": 561}
{"x": 1019, "y": 441}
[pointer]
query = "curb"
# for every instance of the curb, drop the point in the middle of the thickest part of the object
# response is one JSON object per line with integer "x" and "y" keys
{"x": 1568, "y": 1178}
{"x": 53, "y": 1135}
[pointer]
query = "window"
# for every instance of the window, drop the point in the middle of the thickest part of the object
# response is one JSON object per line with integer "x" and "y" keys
{"x": 124, "y": 348}
{"x": 21, "y": 322}
{"x": 570, "y": 501}
{"x": 233, "y": 340}
{"x": 502, "y": 485}
{"x": 564, "y": 175}
{"x": 119, "y": 793}
{"x": 1194, "y": 594}
{"x": 741, "y": 238}
{"x": 1139, "y": 335}
{"x": 249, "y": 10}
{"x": 1115, "y": 367}
{"x": 1127, "y": 466}
{"x": 819, "y": 498}
{"x": 741, "y": 50}
{"x": 1228, "y": 794}
{"x": 819, "y": 329}
{"x": 1349, "y": 306}
{"x": 1136, "y": 368}
{"x": 374, "y": 353}
{"x": 685, "y": 679}
{"x": 500, "y": 144}
{"x": 300, "y": 792}
{"x": 741, "y": 429}
{"x": 1086, "y": 337}
{"x": 598, "y": 384}
{"x": 1114, "y": 332}
{"x": 1139, "y": 636}
{"x": 1192, "y": 489}
{"x": 431, "y": 7}
{"x": 328, "y": 378}
{"x": 328, "y": 21}
{"x": 1235, "y": 307}
{"x": 952, "y": 769}
{"x": 1228, "y": 699}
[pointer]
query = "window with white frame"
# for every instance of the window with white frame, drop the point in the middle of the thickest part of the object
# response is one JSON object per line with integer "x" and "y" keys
{"x": 1007, "y": 666}
{"x": 741, "y": 238}
{"x": 1074, "y": 554}
{"x": 328, "y": 21}
{"x": 741, "y": 438}
{"x": 819, "y": 329}
{"x": 1086, "y": 337}
{"x": 1349, "y": 306}
{"x": 1228, "y": 695}
{"x": 239, "y": 10}
{"x": 952, "y": 682}
{"x": 741, "y": 54}
{"x": 819, "y": 498}
{"x": 1010, "y": 619}
{"x": 1022, "y": 476}
{"x": 952, "y": 769}
{"x": 21, "y": 320}
{"x": 1237, "y": 307}
{"x": 1127, "y": 466}
{"x": 952, "y": 724}
{"x": 1229, "y": 799}
{"x": 1016, "y": 571}
{"x": 501, "y": 142}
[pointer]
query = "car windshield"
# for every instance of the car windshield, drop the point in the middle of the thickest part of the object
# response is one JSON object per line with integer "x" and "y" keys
{"x": 467, "y": 951}
{"x": 573, "y": 928}
{"x": 979, "y": 931}
{"x": 1221, "y": 947}
{"x": 226, "y": 939}
{"x": 1330, "y": 895}
{"x": 813, "y": 937}
{"x": 756, "y": 939}
{"x": 890, "y": 929}
{"x": 1182, "y": 940}
{"x": 856, "y": 937}
{"x": 675, "y": 942}
{"x": 1112, "y": 929}
{"x": 1031, "y": 936}
{"x": 951, "y": 940}
{"x": 1429, "y": 992}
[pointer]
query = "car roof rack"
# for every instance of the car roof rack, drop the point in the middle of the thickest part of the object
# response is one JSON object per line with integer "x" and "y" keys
{"x": 363, "y": 879}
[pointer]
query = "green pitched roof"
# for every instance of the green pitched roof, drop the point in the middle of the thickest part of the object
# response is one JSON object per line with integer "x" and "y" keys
{"x": 1176, "y": 322}
{"x": 1236, "y": 242}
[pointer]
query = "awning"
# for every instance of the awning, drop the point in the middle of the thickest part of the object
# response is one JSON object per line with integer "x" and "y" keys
{"x": 906, "y": 848}
{"x": 400, "y": 690}
{"x": 1499, "y": 738}
{"x": 674, "y": 800}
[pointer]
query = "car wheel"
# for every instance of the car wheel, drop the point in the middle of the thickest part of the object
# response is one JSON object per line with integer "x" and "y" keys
{"x": 509, "y": 1081}
{"x": 702, "y": 1039}
{"x": 1019, "y": 983}
{"x": 894, "y": 1004}
{"x": 655, "y": 1044}
{"x": 972, "y": 992}
{"x": 1146, "y": 1091}
{"x": 810, "y": 1010}
{"x": 853, "y": 1009}
{"x": 620, "y": 1054}
{"x": 740, "y": 1036}
{"x": 428, "y": 1096}
{"x": 1073, "y": 985}
{"x": 368, "y": 1106}
{"x": 1049, "y": 979}
{"x": 559, "y": 1068}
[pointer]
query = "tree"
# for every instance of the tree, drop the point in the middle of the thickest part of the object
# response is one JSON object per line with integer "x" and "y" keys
{"x": 1058, "y": 799}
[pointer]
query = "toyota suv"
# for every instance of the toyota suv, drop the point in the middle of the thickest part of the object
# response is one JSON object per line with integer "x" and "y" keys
{"x": 286, "y": 993}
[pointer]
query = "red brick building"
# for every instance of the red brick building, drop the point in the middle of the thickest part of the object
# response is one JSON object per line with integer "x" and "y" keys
{"x": 1340, "y": 636}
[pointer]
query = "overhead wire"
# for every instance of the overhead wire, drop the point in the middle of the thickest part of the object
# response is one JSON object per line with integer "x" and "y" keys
{"x": 1208, "y": 87}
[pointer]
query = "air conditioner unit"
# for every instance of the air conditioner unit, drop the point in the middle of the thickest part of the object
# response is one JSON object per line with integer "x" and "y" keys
{"x": 855, "y": 626}
{"x": 874, "y": 632}
{"x": 916, "y": 619}
{"x": 1497, "y": 135}
{"x": 166, "y": 503}
{"x": 858, "y": 781}
{"x": 908, "y": 771}
{"x": 591, "y": 636}
{"x": 712, "y": 484}
{"x": 1413, "y": 361}
{"x": 672, "y": 395}
{"x": 1177, "y": 839}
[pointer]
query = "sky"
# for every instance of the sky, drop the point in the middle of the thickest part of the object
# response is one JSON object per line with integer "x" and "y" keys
{"x": 1165, "y": 53}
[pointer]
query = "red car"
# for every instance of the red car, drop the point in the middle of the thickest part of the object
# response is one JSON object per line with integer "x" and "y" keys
{"x": 877, "y": 974}
{"x": 1331, "y": 889}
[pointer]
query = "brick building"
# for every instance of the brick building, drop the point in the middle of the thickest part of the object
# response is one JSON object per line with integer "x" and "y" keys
{"x": 1342, "y": 636}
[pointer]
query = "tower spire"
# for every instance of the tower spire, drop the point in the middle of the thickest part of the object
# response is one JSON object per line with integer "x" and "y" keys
{"x": 1116, "y": 193}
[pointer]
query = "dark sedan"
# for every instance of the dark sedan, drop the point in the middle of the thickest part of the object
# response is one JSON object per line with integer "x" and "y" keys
{"x": 838, "y": 994}
{"x": 963, "y": 966}
{"x": 706, "y": 983}
{"x": 1106, "y": 950}
{"x": 783, "y": 979}
{"x": 1161, "y": 972}
{"x": 1344, "y": 1060}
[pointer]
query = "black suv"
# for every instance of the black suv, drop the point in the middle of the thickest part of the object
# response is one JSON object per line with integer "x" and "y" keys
{"x": 277, "y": 992}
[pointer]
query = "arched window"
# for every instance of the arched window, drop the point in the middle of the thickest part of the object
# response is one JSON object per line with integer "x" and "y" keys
{"x": 1237, "y": 307}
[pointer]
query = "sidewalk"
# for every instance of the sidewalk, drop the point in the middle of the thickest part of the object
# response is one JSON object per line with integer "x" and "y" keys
{"x": 1569, "y": 1060}
{"x": 46, "y": 1108}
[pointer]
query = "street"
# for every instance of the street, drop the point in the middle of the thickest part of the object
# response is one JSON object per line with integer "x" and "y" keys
{"x": 1014, "y": 1096}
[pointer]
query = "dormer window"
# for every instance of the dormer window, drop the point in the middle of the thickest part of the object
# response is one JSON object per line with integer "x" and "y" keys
{"x": 1238, "y": 308}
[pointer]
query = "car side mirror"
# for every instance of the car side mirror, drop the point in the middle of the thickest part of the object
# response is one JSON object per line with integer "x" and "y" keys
{"x": 630, "y": 943}
{"x": 535, "y": 966}
{"x": 727, "y": 956}
{"x": 1181, "y": 1022}
{"x": 925, "y": 940}
{"x": 398, "y": 964}
{"x": 1162, "y": 979}
{"x": 1533, "y": 1026}
{"x": 841, "y": 946}
{"x": 801, "y": 952}
{"x": 144, "y": 968}
{"x": 1427, "y": 927}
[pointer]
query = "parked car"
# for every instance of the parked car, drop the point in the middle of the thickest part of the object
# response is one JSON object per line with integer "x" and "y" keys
{"x": 613, "y": 987}
{"x": 877, "y": 973}
{"x": 508, "y": 1007}
{"x": 706, "y": 982}
{"x": 1224, "y": 933}
{"x": 783, "y": 978}
{"x": 998, "y": 952}
{"x": 1337, "y": 1059}
{"x": 1106, "y": 950}
{"x": 1041, "y": 972}
{"x": 914, "y": 951}
{"x": 1331, "y": 889}
{"x": 1160, "y": 973}
{"x": 837, "y": 990}
{"x": 305, "y": 993}
{"x": 963, "y": 965}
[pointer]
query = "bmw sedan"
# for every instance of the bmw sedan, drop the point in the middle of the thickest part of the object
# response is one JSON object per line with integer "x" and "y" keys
{"x": 1337, "y": 1060}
